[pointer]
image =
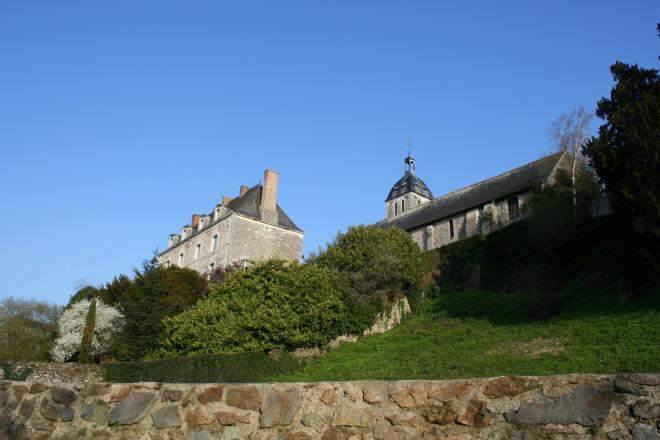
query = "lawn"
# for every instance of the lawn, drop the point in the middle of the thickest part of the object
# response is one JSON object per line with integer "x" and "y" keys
{"x": 488, "y": 334}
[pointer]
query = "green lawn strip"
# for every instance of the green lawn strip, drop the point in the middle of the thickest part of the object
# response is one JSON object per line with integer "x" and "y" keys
{"x": 483, "y": 334}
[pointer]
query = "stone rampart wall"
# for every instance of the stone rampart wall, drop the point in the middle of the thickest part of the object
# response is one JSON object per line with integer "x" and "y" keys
{"x": 512, "y": 408}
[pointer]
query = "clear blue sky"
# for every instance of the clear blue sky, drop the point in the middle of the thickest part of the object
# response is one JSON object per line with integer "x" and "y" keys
{"x": 118, "y": 120}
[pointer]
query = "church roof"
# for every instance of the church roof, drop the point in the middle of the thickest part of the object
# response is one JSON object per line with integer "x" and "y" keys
{"x": 248, "y": 205}
{"x": 410, "y": 182}
{"x": 509, "y": 183}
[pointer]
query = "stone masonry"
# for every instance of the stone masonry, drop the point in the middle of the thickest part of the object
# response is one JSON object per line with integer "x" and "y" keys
{"x": 511, "y": 408}
{"x": 250, "y": 227}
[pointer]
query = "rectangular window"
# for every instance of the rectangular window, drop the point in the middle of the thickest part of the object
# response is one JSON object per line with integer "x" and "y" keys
{"x": 180, "y": 260}
{"x": 451, "y": 228}
{"x": 214, "y": 242}
{"x": 403, "y": 205}
{"x": 514, "y": 208}
{"x": 198, "y": 250}
{"x": 396, "y": 208}
{"x": 211, "y": 267}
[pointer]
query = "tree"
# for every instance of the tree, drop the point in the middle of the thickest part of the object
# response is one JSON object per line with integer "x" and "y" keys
{"x": 156, "y": 293}
{"x": 569, "y": 133}
{"x": 117, "y": 291}
{"x": 28, "y": 329}
{"x": 373, "y": 267}
{"x": 71, "y": 326}
{"x": 83, "y": 293}
{"x": 626, "y": 152}
{"x": 31, "y": 309}
{"x": 373, "y": 260}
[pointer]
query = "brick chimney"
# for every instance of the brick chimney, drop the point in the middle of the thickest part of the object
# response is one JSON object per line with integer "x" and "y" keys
{"x": 195, "y": 220}
{"x": 226, "y": 199}
{"x": 268, "y": 206}
{"x": 243, "y": 190}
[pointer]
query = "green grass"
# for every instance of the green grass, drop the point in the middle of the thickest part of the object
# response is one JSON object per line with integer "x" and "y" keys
{"x": 488, "y": 334}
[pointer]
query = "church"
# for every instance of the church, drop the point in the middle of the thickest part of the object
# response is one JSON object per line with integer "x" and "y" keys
{"x": 476, "y": 209}
{"x": 250, "y": 227}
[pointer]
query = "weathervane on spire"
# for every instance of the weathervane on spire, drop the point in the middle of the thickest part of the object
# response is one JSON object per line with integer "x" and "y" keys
{"x": 409, "y": 160}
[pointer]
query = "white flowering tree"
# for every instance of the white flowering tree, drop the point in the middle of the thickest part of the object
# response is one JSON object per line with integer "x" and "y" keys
{"x": 72, "y": 325}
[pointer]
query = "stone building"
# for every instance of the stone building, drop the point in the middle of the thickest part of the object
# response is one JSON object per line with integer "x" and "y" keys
{"x": 476, "y": 209}
{"x": 250, "y": 227}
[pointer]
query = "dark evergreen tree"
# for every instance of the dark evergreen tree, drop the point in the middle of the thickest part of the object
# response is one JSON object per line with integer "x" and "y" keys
{"x": 626, "y": 156}
{"x": 626, "y": 152}
{"x": 156, "y": 293}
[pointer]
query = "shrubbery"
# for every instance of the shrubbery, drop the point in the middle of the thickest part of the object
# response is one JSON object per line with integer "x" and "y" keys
{"x": 226, "y": 368}
{"x": 272, "y": 304}
{"x": 373, "y": 267}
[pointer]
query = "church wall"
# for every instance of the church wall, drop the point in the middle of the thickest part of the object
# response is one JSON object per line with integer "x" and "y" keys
{"x": 466, "y": 224}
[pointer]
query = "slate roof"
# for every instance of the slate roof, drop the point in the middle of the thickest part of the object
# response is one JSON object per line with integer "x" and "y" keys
{"x": 248, "y": 206}
{"x": 511, "y": 182}
{"x": 410, "y": 182}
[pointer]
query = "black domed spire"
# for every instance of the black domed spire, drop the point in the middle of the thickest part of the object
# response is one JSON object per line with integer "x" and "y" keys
{"x": 410, "y": 182}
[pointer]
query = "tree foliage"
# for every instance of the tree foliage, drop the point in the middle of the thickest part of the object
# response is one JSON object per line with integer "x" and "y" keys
{"x": 117, "y": 291}
{"x": 373, "y": 266}
{"x": 88, "y": 334}
{"x": 370, "y": 260}
{"x": 28, "y": 329}
{"x": 626, "y": 152}
{"x": 272, "y": 304}
{"x": 71, "y": 327}
{"x": 31, "y": 309}
{"x": 156, "y": 293}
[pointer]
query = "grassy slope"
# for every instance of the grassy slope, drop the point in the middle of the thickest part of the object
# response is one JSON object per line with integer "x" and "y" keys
{"x": 488, "y": 334}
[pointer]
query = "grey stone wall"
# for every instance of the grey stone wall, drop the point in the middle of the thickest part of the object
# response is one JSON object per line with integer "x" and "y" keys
{"x": 506, "y": 408}
{"x": 483, "y": 219}
{"x": 239, "y": 238}
{"x": 253, "y": 240}
{"x": 404, "y": 204}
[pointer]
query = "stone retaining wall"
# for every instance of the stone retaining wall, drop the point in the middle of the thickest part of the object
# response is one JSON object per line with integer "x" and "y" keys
{"x": 512, "y": 408}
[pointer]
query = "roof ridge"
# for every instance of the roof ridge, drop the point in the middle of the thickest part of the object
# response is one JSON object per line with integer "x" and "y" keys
{"x": 529, "y": 164}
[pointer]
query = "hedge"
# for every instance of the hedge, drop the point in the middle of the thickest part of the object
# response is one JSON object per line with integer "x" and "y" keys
{"x": 229, "y": 368}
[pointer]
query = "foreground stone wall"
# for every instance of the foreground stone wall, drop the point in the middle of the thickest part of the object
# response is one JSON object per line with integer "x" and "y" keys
{"x": 512, "y": 408}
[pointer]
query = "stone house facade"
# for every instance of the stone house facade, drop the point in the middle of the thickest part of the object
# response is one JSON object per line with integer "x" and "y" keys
{"x": 250, "y": 227}
{"x": 476, "y": 209}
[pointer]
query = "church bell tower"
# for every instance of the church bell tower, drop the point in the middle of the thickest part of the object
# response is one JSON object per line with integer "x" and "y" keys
{"x": 409, "y": 191}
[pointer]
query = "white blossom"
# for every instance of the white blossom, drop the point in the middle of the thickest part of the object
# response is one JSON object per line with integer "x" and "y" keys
{"x": 72, "y": 324}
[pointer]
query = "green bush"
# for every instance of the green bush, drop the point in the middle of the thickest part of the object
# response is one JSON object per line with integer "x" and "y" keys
{"x": 242, "y": 367}
{"x": 370, "y": 259}
{"x": 273, "y": 304}
{"x": 15, "y": 372}
{"x": 373, "y": 267}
